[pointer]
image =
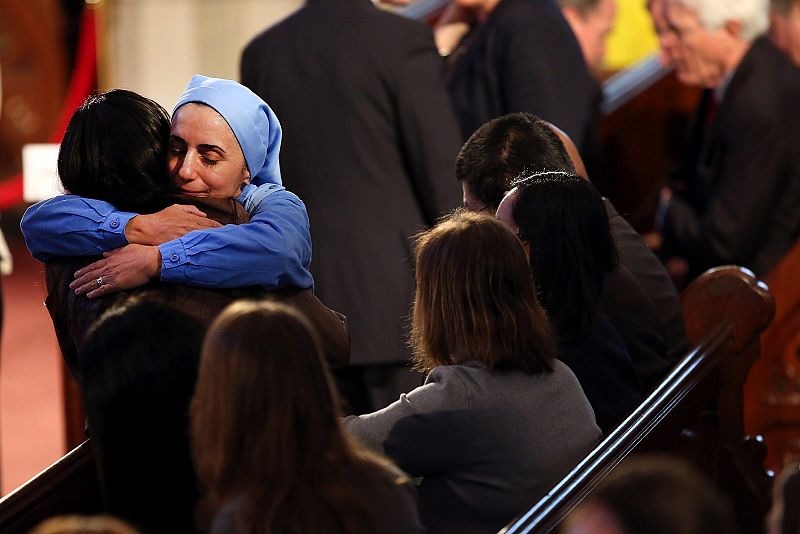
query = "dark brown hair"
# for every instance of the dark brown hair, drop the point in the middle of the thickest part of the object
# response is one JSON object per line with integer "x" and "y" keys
{"x": 475, "y": 299}
{"x": 503, "y": 149}
{"x": 265, "y": 427}
{"x": 664, "y": 495}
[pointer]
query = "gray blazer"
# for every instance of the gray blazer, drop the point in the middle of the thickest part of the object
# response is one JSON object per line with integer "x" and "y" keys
{"x": 487, "y": 444}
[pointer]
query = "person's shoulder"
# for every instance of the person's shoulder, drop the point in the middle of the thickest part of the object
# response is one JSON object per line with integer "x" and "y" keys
{"x": 276, "y": 30}
{"x": 458, "y": 383}
{"x": 523, "y": 14}
{"x": 765, "y": 88}
{"x": 402, "y": 32}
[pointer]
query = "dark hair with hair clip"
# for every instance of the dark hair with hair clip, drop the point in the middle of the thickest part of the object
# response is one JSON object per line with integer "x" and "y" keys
{"x": 115, "y": 149}
{"x": 562, "y": 218}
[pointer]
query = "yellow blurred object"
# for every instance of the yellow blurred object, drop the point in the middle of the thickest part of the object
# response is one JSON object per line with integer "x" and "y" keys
{"x": 633, "y": 36}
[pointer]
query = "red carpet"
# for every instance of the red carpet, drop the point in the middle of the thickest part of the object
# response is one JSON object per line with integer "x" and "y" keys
{"x": 31, "y": 418}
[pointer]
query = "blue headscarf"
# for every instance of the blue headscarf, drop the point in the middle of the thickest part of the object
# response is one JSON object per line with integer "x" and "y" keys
{"x": 253, "y": 123}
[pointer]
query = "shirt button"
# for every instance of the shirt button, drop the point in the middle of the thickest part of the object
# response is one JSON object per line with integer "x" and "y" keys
{"x": 114, "y": 223}
{"x": 174, "y": 257}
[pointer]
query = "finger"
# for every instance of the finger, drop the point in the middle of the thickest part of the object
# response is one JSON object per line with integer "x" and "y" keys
{"x": 188, "y": 208}
{"x": 88, "y": 281}
{"x": 105, "y": 289}
{"x": 83, "y": 289}
{"x": 99, "y": 264}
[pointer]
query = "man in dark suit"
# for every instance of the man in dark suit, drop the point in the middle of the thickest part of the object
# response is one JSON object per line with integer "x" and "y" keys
{"x": 639, "y": 298}
{"x": 369, "y": 143}
{"x": 737, "y": 198}
{"x": 525, "y": 57}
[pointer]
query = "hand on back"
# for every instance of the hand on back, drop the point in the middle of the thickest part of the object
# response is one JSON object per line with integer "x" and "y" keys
{"x": 170, "y": 223}
{"x": 124, "y": 268}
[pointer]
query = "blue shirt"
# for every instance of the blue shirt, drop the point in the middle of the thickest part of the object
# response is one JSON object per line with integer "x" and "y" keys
{"x": 273, "y": 250}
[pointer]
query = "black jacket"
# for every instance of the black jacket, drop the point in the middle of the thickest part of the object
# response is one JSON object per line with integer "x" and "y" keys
{"x": 369, "y": 144}
{"x": 738, "y": 197}
{"x": 524, "y": 57}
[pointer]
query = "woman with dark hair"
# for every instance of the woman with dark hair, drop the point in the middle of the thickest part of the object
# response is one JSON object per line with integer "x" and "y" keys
{"x": 561, "y": 219}
{"x": 95, "y": 161}
{"x": 140, "y": 360}
{"x": 267, "y": 441}
{"x": 224, "y": 142}
{"x": 498, "y": 421}
{"x": 115, "y": 150}
{"x": 654, "y": 495}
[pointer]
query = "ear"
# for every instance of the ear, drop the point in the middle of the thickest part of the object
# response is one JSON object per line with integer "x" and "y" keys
{"x": 245, "y": 180}
{"x": 733, "y": 28}
{"x": 573, "y": 15}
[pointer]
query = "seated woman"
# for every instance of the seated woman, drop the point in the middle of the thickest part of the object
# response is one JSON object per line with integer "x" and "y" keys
{"x": 147, "y": 354}
{"x": 115, "y": 149}
{"x": 267, "y": 442}
{"x": 225, "y": 142}
{"x": 562, "y": 221}
{"x": 498, "y": 421}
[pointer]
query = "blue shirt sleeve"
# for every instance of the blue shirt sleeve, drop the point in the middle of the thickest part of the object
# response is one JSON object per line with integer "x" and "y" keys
{"x": 69, "y": 225}
{"x": 273, "y": 250}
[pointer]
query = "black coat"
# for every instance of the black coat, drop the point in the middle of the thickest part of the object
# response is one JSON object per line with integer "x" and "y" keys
{"x": 654, "y": 280}
{"x": 369, "y": 144}
{"x": 738, "y": 201}
{"x": 524, "y": 57}
{"x": 605, "y": 371}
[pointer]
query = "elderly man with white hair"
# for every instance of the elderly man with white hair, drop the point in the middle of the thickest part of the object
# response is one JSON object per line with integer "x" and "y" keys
{"x": 737, "y": 197}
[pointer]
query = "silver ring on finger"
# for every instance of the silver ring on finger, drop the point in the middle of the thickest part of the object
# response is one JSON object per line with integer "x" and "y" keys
{"x": 99, "y": 280}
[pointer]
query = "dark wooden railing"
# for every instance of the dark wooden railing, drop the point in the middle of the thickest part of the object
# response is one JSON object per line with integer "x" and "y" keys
{"x": 696, "y": 412}
{"x": 69, "y": 486}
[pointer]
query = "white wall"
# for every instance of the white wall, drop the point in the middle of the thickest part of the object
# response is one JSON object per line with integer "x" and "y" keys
{"x": 154, "y": 46}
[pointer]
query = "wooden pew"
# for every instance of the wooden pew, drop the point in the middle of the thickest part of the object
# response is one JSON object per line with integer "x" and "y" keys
{"x": 696, "y": 413}
{"x": 772, "y": 392}
{"x": 69, "y": 486}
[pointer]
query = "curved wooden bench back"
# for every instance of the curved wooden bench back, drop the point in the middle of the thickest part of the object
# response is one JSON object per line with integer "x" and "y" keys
{"x": 772, "y": 392}
{"x": 696, "y": 412}
{"x": 69, "y": 486}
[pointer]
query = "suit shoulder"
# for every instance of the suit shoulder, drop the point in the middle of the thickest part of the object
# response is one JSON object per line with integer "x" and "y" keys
{"x": 267, "y": 34}
{"x": 524, "y": 13}
{"x": 395, "y": 26}
{"x": 758, "y": 92}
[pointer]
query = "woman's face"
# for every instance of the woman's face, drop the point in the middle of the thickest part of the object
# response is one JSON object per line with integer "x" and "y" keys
{"x": 205, "y": 159}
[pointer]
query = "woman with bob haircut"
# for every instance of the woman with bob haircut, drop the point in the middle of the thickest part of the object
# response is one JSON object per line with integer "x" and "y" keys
{"x": 562, "y": 221}
{"x": 499, "y": 420}
{"x": 267, "y": 441}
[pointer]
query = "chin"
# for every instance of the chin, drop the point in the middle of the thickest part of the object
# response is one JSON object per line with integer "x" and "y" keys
{"x": 686, "y": 78}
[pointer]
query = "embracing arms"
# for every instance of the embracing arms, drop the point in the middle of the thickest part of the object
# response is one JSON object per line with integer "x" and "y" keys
{"x": 272, "y": 250}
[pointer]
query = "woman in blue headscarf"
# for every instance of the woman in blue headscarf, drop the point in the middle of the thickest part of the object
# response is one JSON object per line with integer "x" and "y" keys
{"x": 224, "y": 142}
